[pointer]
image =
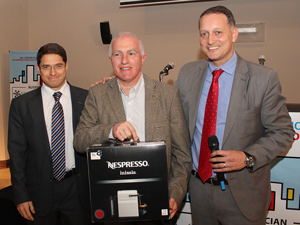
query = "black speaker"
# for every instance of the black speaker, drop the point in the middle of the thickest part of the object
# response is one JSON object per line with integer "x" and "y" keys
{"x": 105, "y": 32}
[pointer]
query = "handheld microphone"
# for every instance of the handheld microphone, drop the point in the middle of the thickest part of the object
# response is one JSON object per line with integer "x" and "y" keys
{"x": 213, "y": 145}
{"x": 165, "y": 70}
{"x": 261, "y": 60}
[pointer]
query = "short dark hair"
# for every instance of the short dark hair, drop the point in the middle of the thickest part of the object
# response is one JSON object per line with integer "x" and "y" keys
{"x": 51, "y": 48}
{"x": 219, "y": 9}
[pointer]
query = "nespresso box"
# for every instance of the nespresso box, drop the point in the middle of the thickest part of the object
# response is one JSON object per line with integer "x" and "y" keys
{"x": 128, "y": 181}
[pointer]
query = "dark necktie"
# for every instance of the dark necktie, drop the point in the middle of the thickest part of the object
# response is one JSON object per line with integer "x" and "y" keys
{"x": 209, "y": 127}
{"x": 58, "y": 139}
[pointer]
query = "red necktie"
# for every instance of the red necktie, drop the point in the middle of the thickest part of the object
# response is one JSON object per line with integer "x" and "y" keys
{"x": 209, "y": 127}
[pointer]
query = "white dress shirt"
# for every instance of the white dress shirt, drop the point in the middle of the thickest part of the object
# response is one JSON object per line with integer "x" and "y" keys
{"x": 65, "y": 100}
{"x": 134, "y": 107}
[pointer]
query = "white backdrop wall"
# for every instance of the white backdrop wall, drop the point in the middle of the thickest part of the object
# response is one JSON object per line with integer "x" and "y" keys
{"x": 13, "y": 35}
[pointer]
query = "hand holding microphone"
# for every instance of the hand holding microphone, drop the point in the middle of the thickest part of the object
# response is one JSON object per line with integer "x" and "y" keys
{"x": 213, "y": 145}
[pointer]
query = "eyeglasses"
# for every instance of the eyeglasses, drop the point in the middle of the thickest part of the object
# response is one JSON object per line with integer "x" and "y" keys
{"x": 57, "y": 67}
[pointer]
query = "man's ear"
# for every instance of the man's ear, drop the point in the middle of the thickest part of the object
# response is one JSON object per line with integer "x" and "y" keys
{"x": 235, "y": 34}
{"x": 143, "y": 58}
{"x": 38, "y": 68}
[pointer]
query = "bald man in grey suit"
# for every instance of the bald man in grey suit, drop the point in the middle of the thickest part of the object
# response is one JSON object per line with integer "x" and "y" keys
{"x": 156, "y": 114}
{"x": 253, "y": 126}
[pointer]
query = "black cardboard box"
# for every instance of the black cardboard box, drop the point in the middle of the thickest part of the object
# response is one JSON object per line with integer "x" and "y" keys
{"x": 128, "y": 181}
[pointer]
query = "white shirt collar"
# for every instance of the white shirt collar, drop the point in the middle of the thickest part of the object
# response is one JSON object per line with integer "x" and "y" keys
{"x": 137, "y": 88}
{"x": 65, "y": 90}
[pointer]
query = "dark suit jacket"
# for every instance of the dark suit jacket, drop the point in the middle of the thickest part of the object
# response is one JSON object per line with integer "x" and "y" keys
{"x": 164, "y": 121}
{"x": 29, "y": 150}
{"x": 257, "y": 122}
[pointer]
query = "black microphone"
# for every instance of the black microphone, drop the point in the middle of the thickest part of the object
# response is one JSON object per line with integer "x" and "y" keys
{"x": 168, "y": 67}
{"x": 261, "y": 60}
{"x": 213, "y": 145}
{"x": 165, "y": 70}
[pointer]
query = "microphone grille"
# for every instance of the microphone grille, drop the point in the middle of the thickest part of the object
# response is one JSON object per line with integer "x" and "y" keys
{"x": 172, "y": 65}
{"x": 262, "y": 57}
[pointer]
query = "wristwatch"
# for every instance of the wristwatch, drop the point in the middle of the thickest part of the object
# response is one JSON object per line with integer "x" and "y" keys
{"x": 249, "y": 160}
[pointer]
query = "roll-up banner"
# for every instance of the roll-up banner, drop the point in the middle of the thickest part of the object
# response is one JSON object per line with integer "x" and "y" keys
{"x": 24, "y": 76}
{"x": 285, "y": 179}
{"x": 285, "y": 183}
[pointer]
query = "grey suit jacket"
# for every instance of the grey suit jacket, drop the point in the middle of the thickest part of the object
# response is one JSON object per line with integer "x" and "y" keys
{"x": 257, "y": 122}
{"x": 30, "y": 155}
{"x": 164, "y": 121}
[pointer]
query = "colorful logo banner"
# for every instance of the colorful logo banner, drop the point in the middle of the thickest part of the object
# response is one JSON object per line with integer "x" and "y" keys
{"x": 24, "y": 76}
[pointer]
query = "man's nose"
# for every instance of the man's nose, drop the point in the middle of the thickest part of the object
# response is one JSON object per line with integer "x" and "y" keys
{"x": 210, "y": 39}
{"x": 52, "y": 70}
{"x": 124, "y": 59}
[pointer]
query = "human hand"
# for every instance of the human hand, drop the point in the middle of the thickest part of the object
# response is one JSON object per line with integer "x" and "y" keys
{"x": 103, "y": 81}
{"x": 124, "y": 130}
{"x": 229, "y": 160}
{"x": 25, "y": 209}
{"x": 173, "y": 207}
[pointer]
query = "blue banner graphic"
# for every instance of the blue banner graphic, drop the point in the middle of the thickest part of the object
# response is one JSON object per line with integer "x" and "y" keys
{"x": 24, "y": 76}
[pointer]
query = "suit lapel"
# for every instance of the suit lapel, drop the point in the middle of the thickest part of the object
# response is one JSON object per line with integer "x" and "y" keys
{"x": 152, "y": 97}
{"x": 239, "y": 89}
{"x": 36, "y": 109}
{"x": 115, "y": 100}
{"x": 77, "y": 106}
{"x": 197, "y": 83}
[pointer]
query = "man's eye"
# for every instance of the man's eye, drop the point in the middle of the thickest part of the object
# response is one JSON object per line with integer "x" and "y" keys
{"x": 203, "y": 34}
{"x": 46, "y": 67}
{"x": 116, "y": 54}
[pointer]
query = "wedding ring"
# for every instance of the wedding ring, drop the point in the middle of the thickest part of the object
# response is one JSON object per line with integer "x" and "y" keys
{"x": 224, "y": 165}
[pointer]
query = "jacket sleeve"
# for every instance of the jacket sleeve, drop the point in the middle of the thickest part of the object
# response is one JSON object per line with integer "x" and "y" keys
{"x": 181, "y": 161}
{"x": 94, "y": 125}
{"x": 276, "y": 123}
{"x": 17, "y": 149}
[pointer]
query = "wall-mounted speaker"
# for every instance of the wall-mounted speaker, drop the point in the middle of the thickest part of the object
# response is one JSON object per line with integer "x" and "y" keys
{"x": 105, "y": 32}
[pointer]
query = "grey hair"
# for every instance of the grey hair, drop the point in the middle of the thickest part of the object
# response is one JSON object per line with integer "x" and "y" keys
{"x": 123, "y": 34}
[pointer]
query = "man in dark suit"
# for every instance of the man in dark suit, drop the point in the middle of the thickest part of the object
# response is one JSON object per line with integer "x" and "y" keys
{"x": 42, "y": 198}
{"x": 132, "y": 106}
{"x": 252, "y": 124}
